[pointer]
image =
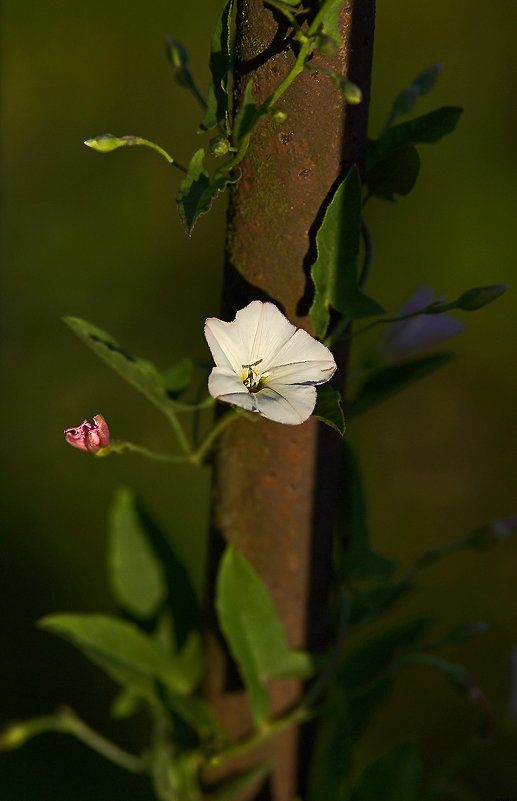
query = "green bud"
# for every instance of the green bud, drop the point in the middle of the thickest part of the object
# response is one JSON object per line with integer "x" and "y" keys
{"x": 279, "y": 115}
{"x": 177, "y": 54}
{"x": 477, "y": 298}
{"x": 491, "y": 534}
{"x": 326, "y": 44}
{"x": 106, "y": 142}
{"x": 219, "y": 146}
{"x": 351, "y": 93}
{"x": 14, "y": 736}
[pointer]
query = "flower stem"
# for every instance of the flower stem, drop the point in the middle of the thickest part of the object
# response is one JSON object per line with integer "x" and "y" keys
{"x": 122, "y": 446}
{"x": 198, "y": 455}
{"x": 138, "y": 140}
{"x": 387, "y": 320}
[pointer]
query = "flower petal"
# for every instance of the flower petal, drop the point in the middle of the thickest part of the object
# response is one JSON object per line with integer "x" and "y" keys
{"x": 226, "y": 348}
{"x": 286, "y": 404}
{"x": 302, "y": 360}
{"x": 264, "y": 331}
{"x": 224, "y": 385}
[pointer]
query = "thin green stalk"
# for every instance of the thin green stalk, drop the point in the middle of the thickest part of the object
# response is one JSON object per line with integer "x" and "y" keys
{"x": 387, "y": 320}
{"x": 198, "y": 455}
{"x": 138, "y": 140}
{"x": 122, "y": 446}
{"x": 72, "y": 724}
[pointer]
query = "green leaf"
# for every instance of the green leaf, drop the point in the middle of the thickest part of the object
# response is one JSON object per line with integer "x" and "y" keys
{"x": 176, "y": 379}
{"x": 387, "y": 380}
{"x": 421, "y": 85}
{"x": 394, "y": 173}
{"x": 221, "y": 59}
{"x": 195, "y": 713}
{"x": 197, "y": 191}
{"x": 354, "y": 556}
{"x": 393, "y": 777}
{"x": 247, "y": 116}
{"x": 136, "y": 576}
{"x": 182, "y": 601}
{"x": 334, "y": 273}
{"x": 330, "y": 25}
{"x": 126, "y": 703}
{"x": 369, "y": 604}
{"x": 425, "y": 129}
{"x": 141, "y": 374}
{"x": 253, "y": 630}
{"x": 329, "y": 775}
{"x": 127, "y": 654}
{"x": 328, "y": 408}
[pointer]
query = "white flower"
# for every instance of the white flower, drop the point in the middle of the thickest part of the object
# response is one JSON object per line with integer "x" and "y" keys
{"x": 267, "y": 365}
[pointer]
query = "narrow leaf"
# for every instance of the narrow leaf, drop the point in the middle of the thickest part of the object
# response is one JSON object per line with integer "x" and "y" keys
{"x": 253, "y": 630}
{"x": 220, "y": 65}
{"x": 421, "y": 85}
{"x": 394, "y": 777}
{"x": 330, "y": 25}
{"x": 334, "y": 273}
{"x": 354, "y": 556}
{"x": 120, "y": 648}
{"x": 425, "y": 129}
{"x": 176, "y": 379}
{"x": 136, "y": 576}
{"x": 197, "y": 191}
{"x": 247, "y": 116}
{"x": 141, "y": 374}
{"x": 394, "y": 173}
{"x": 328, "y": 408}
{"x": 383, "y": 383}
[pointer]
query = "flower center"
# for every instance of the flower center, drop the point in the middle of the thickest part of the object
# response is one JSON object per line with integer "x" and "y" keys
{"x": 251, "y": 379}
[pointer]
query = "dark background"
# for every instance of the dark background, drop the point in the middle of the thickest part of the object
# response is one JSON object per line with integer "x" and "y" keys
{"x": 98, "y": 237}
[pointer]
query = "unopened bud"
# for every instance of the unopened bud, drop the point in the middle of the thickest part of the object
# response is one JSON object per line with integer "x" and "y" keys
{"x": 279, "y": 115}
{"x": 106, "y": 142}
{"x": 326, "y": 44}
{"x": 351, "y": 93}
{"x": 219, "y": 146}
{"x": 477, "y": 298}
{"x": 492, "y": 533}
{"x": 178, "y": 57}
{"x": 91, "y": 437}
{"x": 14, "y": 736}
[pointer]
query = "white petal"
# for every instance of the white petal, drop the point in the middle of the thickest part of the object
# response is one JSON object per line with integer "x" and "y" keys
{"x": 226, "y": 348}
{"x": 303, "y": 359}
{"x": 223, "y": 381}
{"x": 263, "y": 331}
{"x": 286, "y": 404}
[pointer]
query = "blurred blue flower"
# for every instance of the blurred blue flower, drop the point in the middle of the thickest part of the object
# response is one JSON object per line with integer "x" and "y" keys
{"x": 409, "y": 337}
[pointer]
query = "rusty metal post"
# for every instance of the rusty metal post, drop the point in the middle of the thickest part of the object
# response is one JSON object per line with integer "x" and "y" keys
{"x": 265, "y": 473}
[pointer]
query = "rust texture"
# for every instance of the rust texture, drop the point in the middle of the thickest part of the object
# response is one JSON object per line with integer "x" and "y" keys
{"x": 265, "y": 473}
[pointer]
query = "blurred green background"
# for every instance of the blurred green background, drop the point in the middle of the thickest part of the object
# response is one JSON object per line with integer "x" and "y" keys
{"x": 98, "y": 237}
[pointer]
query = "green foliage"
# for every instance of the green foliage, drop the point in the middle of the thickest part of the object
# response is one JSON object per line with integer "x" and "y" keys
{"x": 328, "y": 408}
{"x": 247, "y": 116}
{"x": 137, "y": 577}
{"x": 254, "y": 633}
{"x": 428, "y": 128}
{"x": 393, "y": 777}
{"x": 407, "y": 98}
{"x": 354, "y": 557}
{"x": 141, "y": 374}
{"x": 221, "y": 62}
{"x": 129, "y": 656}
{"x": 197, "y": 190}
{"x": 385, "y": 381}
{"x": 335, "y": 272}
{"x": 393, "y": 173}
{"x": 330, "y": 21}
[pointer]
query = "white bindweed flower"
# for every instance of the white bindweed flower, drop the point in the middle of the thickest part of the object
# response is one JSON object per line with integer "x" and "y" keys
{"x": 267, "y": 365}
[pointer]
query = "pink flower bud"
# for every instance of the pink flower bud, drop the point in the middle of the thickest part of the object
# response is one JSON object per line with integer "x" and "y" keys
{"x": 91, "y": 437}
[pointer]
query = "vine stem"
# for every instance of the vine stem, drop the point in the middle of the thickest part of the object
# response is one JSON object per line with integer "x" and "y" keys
{"x": 196, "y": 457}
{"x": 66, "y": 721}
